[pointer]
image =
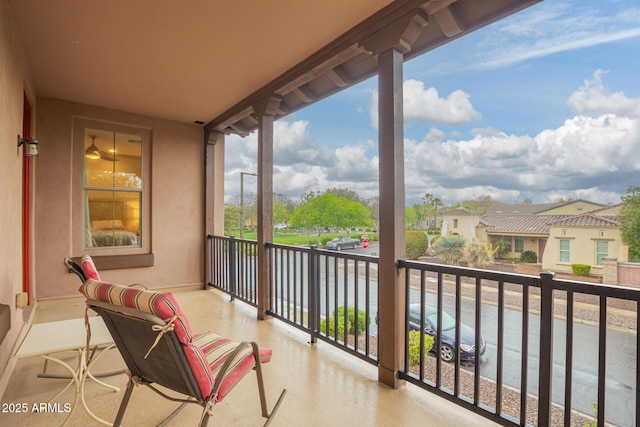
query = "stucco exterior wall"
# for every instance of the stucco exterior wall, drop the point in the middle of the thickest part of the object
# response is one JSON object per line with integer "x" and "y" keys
{"x": 583, "y": 247}
{"x": 177, "y": 199}
{"x": 14, "y": 82}
{"x": 465, "y": 225}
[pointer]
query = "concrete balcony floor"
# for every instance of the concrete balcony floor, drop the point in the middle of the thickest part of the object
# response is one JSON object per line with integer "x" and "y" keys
{"x": 325, "y": 386}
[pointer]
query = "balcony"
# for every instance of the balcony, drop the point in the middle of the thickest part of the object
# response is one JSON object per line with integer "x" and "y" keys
{"x": 525, "y": 374}
{"x": 326, "y": 386}
{"x": 557, "y": 351}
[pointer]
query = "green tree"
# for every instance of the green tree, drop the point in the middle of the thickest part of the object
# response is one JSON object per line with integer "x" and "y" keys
{"x": 429, "y": 200}
{"x": 421, "y": 213}
{"x": 630, "y": 221}
{"x": 280, "y": 213}
{"x": 436, "y": 202}
{"x": 231, "y": 219}
{"x": 346, "y": 213}
{"x": 321, "y": 211}
{"x": 373, "y": 204}
{"x": 410, "y": 218}
{"x": 502, "y": 247}
{"x": 345, "y": 193}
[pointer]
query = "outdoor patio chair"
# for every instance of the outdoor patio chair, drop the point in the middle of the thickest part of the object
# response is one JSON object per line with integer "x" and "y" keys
{"x": 75, "y": 268}
{"x": 158, "y": 347}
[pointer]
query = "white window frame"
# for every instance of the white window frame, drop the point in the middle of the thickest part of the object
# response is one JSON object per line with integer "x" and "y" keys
{"x": 78, "y": 189}
{"x": 515, "y": 244}
{"x": 600, "y": 256}
{"x": 561, "y": 251}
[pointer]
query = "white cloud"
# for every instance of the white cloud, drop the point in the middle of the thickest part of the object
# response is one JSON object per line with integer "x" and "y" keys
{"x": 422, "y": 105}
{"x": 352, "y": 164}
{"x": 594, "y": 99}
{"x": 302, "y": 164}
{"x": 585, "y": 155}
{"x": 594, "y": 155}
{"x": 546, "y": 29}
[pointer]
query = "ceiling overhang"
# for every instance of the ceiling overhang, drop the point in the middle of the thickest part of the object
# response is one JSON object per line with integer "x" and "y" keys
{"x": 212, "y": 61}
{"x": 347, "y": 61}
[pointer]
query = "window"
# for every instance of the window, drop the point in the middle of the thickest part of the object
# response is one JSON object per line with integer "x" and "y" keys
{"x": 455, "y": 223}
{"x": 602, "y": 251}
{"x": 519, "y": 244}
{"x": 111, "y": 200}
{"x": 565, "y": 250}
{"x": 112, "y": 188}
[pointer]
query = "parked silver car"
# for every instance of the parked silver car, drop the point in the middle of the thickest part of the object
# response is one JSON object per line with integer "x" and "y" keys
{"x": 340, "y": 243}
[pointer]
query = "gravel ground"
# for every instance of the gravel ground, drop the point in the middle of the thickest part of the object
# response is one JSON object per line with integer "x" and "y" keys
{"x": 487, "y": 388}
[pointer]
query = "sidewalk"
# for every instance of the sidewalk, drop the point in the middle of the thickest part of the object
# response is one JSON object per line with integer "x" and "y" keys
{"x": 621, "y": 314}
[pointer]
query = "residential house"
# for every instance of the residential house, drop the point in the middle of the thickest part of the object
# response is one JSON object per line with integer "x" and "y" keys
{"x": 561, "y": 234}
{"x": 461, "y": 221}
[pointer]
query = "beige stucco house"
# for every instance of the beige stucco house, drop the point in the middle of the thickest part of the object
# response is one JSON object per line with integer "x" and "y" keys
{"x": 561, "y": 234}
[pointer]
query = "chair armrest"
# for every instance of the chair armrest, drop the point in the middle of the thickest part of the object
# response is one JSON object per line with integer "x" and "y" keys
{"x": 230, "y": 361}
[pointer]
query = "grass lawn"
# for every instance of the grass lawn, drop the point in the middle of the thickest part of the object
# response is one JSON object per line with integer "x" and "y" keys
{"x": 293, "y": 239}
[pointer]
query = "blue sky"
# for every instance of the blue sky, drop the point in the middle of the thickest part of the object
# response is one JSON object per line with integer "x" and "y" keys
{"x": 544, "y": 105}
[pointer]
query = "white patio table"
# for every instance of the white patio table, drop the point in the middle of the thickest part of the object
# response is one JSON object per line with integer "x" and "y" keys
{"x": 45, "y": 339}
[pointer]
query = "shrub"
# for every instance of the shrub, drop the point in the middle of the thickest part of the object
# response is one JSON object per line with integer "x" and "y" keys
{"x": 417, "y": 243}
{"x": 324, "y": 240}
{"x": 478, "y": 254}
{"x": 372, "y": 237}
{"x": 581, "y": 269}
{"x": 503, "y": 247}
{"x": 414, "y": 346}
{"x": 351, "y": 318}
{"x": 332, "y": 327}
{"x": 450, "y": 248}
{"x": 529, "y": 256}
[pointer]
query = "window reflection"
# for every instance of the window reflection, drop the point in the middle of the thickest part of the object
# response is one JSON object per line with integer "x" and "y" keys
{"x": 112, "y": 189}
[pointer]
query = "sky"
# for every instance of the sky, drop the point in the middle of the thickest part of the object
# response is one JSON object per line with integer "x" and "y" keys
{"x": 543, "y": 105}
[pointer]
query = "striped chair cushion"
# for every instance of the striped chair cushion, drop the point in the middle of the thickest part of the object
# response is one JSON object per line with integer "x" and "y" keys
{"x": 89, "y": 268}
{"x": 205, "y": 353}
{"x": 163, "y": 305}
{"x": 217, "y": 350}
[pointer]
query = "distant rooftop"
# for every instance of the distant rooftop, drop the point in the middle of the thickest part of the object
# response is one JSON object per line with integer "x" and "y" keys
{"x": 460, "y": 211}
{"x": 521, "y": 209}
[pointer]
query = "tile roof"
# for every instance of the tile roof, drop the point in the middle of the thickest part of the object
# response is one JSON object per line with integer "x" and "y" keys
{"x": 588, "y": 220}
{"x": 461, "y": 211}
{"x": 533, "y": 224}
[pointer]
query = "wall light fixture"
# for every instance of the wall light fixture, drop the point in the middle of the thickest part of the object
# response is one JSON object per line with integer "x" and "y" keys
{"x": 31, "y": 148}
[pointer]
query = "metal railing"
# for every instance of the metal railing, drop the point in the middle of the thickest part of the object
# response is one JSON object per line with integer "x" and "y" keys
{"x": 321, "y": 291}
{"x": 233, "y": 267}
{"x": 314, "y": 290}
{"x": 555, "y": 351}
{"x": 537, "y": 369}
